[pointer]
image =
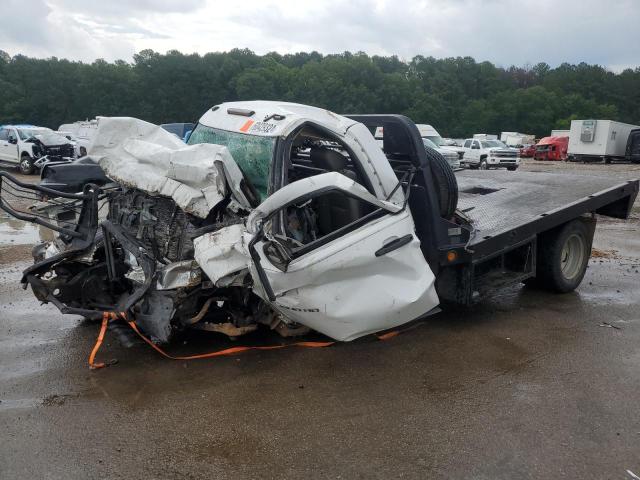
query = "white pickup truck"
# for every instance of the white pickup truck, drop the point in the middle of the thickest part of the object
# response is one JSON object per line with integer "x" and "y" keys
{"x": 485, "y": 154}
{"x": 290, "y": 217}
{"x": 27, "y": 146}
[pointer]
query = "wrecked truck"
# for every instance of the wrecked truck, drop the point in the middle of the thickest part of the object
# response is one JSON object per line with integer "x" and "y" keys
{"x": 293, "y": 217}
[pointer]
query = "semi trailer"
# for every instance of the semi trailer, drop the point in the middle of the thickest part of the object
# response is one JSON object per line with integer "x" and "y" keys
{"x": 598, "y": 140}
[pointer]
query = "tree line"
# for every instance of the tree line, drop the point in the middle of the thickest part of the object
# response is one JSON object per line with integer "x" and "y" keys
{"x": 458, "y": 96}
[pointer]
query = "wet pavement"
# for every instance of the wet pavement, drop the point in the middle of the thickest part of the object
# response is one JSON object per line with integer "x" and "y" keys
{"x": 526, "y": 384}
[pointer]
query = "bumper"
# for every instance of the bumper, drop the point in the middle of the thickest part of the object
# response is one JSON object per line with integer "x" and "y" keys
{"x": 46, "y": 159}
{"x": 503, "y": 162}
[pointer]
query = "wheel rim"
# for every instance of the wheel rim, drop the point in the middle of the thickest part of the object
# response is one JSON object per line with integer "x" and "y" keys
{"x": 25, "y": 165}
{"x": 572, "y": 256}
{"x": 483, "y": 166}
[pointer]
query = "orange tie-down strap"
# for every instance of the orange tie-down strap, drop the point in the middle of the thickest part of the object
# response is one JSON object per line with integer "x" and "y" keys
{"x": 93, "y": 365}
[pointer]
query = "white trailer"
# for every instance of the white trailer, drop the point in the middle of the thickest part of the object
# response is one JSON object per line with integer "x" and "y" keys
{"x": 559, "y": 133}
{"x": 513, "y": 139}
{"x": 598, "y": 140}
{"x": 485, "y": 136}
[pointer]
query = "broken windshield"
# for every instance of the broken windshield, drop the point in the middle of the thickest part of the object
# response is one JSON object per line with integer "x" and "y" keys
{"x": 26, "y": 133}
{"x": 252, "y": 153}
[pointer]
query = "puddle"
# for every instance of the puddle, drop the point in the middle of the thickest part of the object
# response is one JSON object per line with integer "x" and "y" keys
{"x": 17, "y": 232}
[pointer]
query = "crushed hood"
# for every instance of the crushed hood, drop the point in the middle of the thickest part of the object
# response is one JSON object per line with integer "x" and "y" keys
{"x": 142, "y": 155}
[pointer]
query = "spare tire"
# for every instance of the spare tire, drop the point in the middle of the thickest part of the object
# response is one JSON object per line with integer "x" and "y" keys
{"x": 445, "y": 182}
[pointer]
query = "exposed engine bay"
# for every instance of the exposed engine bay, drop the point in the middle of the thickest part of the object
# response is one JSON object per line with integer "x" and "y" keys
{"x": 143, "y": 260}
{"x": 51, "y": 147}
{"x": 141, "y": 257}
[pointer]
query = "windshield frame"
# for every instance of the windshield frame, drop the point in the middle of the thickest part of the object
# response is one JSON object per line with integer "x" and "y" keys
{"x": 25, "y": 133}
{"x": 263, "y": 187}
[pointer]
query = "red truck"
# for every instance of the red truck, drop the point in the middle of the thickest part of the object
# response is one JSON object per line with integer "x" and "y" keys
{"x": 552, "y": 148}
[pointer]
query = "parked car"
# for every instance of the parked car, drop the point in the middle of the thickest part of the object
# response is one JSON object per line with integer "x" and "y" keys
{"x": 527, "y": 151}
{"x": 180, "y": 130}
{"x": 346, "y": 240}
{"x": 552, "y": 148}
{"x": 29, "y": 147}
{"x": 449, "y": 155}
{"x": 430, "y": 133}
{"x": 486, "y": 154}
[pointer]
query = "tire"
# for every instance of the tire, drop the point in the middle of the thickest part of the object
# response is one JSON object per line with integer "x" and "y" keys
{"x": 512, "y": 169}
{"x": 484, "y": 165}
{"x": 26, "y": 164}
{"x": 446, "y": 184}
{"x": 563, "y": 255}
{"x": 83, "y": 152}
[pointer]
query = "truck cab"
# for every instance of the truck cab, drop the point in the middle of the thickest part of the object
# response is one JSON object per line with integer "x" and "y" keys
{"x": 283, "y": 214}
{"x": 552, "y": 148}
{"x": 483, "y": 154}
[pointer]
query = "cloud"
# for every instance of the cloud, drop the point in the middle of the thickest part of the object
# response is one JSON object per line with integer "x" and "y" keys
{"x": 502, "y": 31}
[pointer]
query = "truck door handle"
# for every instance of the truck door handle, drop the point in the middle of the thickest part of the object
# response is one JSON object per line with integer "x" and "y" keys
{"x": 394, "y": 245}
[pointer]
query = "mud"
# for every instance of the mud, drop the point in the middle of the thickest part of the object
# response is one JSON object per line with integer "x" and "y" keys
{"x": 524, "y": 385}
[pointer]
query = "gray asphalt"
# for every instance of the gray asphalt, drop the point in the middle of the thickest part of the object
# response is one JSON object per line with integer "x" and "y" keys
{"x": 524, "y": 385}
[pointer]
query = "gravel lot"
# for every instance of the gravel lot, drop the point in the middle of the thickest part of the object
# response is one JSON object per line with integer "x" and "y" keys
{"x": 524, "y": 385}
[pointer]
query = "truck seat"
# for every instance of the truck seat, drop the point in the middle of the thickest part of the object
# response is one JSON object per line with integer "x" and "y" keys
{"x": 335, "y": 210}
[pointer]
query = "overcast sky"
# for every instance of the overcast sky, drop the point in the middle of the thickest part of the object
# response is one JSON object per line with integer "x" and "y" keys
{"x": 506, "y": 32}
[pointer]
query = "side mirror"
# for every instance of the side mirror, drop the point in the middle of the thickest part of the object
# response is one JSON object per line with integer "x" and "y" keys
{"x": 277, "y": 254}
{"x": 13, "y": 140}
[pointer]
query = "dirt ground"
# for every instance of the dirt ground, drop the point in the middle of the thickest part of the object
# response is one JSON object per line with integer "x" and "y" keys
{"x": 525, "y": 385}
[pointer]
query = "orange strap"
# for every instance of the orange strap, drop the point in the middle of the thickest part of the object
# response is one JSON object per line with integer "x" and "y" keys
{"x": 227, "y": 351}
{"x": 103, "y": 328}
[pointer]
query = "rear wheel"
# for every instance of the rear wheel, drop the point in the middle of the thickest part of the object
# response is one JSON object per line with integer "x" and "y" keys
{"x": 563, "y": 255}
{"x": 26, "y": 164}
{"x": 445, "y": 179}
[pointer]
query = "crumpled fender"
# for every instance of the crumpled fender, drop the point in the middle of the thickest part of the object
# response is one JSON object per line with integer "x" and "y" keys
{"x": 221, "y": 254}
{"x": 142, "y": 155}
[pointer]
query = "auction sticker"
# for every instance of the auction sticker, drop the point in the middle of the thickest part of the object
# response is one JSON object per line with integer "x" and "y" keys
{"x": 263, "y": 127}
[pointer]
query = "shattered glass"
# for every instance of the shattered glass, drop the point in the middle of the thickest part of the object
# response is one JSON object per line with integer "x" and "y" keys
{"x": 252, "y": 153}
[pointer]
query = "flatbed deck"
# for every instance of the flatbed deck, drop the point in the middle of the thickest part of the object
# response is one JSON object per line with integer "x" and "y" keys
{"x": 506, "y": 207}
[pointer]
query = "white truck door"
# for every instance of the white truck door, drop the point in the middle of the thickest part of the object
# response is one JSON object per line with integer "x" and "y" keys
{"x": 7, "y": 150}
{"x": 475, "y": 151}
{"x": 366, "y": 275}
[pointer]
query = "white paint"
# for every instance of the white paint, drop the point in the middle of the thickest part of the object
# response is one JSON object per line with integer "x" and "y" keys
{"x": 353, "y": 134}
{"x": 145, "y": 156}
{"x": 344, "y": 291}
{"x": 302, "y": 188}
{"x": 221, "y": 253}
